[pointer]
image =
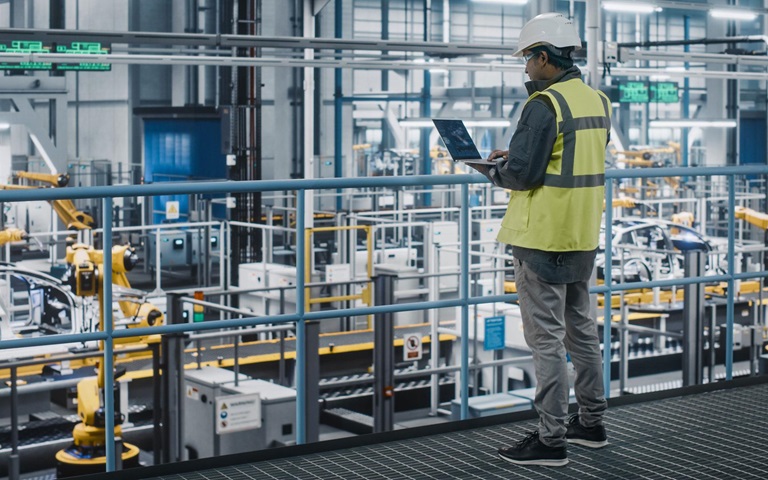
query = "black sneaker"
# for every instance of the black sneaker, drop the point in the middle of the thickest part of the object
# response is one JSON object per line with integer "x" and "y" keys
{"x": 578, "y": 434}
{"x": 530, "y": 451}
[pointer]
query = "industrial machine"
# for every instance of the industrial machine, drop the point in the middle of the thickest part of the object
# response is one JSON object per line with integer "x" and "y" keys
{"x": 87, "y": 454}
{"x": 65, "y": 209}
{"x": 223, "y": 415}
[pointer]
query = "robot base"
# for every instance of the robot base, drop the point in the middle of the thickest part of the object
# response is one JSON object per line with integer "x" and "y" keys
{"x": 74, "y": 461}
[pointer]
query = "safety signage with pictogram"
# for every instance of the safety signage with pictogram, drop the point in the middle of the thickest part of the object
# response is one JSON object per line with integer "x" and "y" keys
{"x": 235, "y": 413}
{"x": 172, "y": 210}
{"x": 412, "y": 347}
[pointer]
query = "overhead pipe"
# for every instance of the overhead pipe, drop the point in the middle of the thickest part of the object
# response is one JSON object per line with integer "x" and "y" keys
{"x": 592, "y": 23}
{"x": 426, "y": 110}
{"x": 699, "y": 41}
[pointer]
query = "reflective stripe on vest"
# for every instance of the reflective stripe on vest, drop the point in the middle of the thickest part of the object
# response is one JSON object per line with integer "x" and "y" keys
{"x": 568, "y": 127}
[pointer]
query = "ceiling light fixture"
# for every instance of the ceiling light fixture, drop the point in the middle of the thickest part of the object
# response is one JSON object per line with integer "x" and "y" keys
{"x": 503, "y": 2}
{"x": 732, "y": 14}
{"x": 415, "y": 123}
{"x": 683, "y": 123}
{"x": 630, "y": 7}
{"x": 469, "y": 123}
{"x": 488, "y": 123}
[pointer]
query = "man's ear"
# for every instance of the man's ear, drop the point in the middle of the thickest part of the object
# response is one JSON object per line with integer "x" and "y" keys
{"x": 545, "y": 55}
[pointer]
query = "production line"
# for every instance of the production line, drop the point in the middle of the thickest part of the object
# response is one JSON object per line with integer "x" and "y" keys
{"x": 248, "y": 237}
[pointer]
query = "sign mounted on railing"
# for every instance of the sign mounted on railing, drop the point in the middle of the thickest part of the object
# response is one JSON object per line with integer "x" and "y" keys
{"x": 494, "y": 333}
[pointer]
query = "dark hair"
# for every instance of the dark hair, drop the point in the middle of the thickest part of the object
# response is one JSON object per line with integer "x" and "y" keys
{"x": 560, "y": 58}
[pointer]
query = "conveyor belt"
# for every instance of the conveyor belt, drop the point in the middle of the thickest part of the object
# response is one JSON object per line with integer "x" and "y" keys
{"x": 713, "y": 431}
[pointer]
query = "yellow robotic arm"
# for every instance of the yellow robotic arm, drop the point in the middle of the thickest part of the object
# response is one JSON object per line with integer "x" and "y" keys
{"x": 86, "y": 267}
{"x": 53, "y": 179}
{"x": 12, "y": 235}
{"x": 760, "y": 220}
{"x": 65, "y": 209}
{"x": 88, "y": 262}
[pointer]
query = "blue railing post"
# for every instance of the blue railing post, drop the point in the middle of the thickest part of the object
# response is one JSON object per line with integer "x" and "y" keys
{"x": 301, "y": 424}
{"x": 464, "y": 295}
{"x": 731, "y": 283}
{"x": 608, "y": 295}
{"x": 109, "y": 375}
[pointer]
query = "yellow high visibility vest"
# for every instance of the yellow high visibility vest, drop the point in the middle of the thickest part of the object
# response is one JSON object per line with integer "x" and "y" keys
{"x": 564, "y": 213}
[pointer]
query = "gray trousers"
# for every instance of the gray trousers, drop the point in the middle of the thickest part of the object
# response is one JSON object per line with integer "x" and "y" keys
{"x": 555, "y": 320}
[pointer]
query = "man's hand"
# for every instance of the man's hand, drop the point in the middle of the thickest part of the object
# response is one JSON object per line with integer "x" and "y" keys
{"x": 498, "y": 154}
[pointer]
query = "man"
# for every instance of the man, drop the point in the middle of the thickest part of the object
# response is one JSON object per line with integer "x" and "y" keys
{"x": 556, "y": 173}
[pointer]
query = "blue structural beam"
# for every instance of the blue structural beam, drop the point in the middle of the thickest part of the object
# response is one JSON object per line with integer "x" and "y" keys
{"x": 686, "y": 100}
{"x": 608, "y": 281}
{"x": 108, "y": 327}
{"x": 174, "y": 188}
{"x": 731, "y": 283}
{"x": 338, "y": 123}
{"x": 464, "y": 295}
{"x": 301, "y": 357}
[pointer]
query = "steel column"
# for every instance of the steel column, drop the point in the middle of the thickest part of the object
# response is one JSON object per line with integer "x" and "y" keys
{"x": 312, "y": 380}
{"x": 693, "y": 317}
{"x": 338, "y": 93}
{"x": 464, "y": 295}
{"x": 384, "y": 356}
{"x": 13, "y": 466}
{"x": 106, "y": 306}
{"x": 731, "y": 282}
{"x": 173, "y": 383}
{"x": 607, "y": 280}
{"x": 301, "y": 354}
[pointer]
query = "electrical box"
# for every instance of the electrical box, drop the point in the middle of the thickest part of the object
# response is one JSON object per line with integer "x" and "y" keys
{"x": 205, "y": 387}
{"x": 174, "y": 249}
{"x": 197, "y": 247}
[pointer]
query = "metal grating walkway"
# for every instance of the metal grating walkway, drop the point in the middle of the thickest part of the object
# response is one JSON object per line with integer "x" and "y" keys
{"x": 712, "y": 435}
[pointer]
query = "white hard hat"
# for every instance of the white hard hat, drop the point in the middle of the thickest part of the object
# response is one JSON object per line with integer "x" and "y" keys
{"x": 548, "y": 28}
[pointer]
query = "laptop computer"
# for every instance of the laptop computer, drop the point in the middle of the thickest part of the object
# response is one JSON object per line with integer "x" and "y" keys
{"x": 460, "y": 146}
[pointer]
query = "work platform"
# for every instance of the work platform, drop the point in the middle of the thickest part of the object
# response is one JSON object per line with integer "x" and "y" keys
{"x": 713, "y": 431}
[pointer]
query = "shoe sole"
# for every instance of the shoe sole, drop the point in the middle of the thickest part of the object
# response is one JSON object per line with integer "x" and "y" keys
{"x": 543, "y": 463}
{"x": 587, "y": 443}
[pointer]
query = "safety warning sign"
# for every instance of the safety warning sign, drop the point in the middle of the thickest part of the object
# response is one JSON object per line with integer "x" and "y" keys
{"x": 412, "y": 347}
{"x": 172, "y": 210}
{"x": 235, "y": 413}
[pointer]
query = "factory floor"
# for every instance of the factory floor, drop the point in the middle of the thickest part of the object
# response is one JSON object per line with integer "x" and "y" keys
{"x": 709, "y": 431}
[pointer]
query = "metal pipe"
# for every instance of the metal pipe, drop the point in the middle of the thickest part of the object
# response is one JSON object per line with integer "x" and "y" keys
{"x": 639, "y": 329}
{"x": 607, "y": 314}
{"x": 698, "y": 41}
{"x": 182, "y": 188}
{"x": 731, "y": 269}
{"x": 13, "y": 470}
{"x": 300, "y": 368}
{"x": 338, "y": 92}
{"x": 106, "y": 306}
{"x": 592, "y": 27}
{"x": 464, "y": 295}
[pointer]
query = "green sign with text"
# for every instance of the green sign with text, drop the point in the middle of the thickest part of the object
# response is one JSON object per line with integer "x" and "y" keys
{"x": 80, "y": 48}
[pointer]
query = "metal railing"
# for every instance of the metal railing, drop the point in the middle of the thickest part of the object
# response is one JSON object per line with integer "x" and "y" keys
{"x": 302, "y": 315}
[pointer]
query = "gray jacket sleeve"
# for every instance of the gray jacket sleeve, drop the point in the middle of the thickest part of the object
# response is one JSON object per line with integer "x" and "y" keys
{"x": 529, "y": 149}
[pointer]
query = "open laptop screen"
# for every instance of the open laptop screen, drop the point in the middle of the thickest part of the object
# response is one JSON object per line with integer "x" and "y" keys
{"x": 457, "y": 139}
